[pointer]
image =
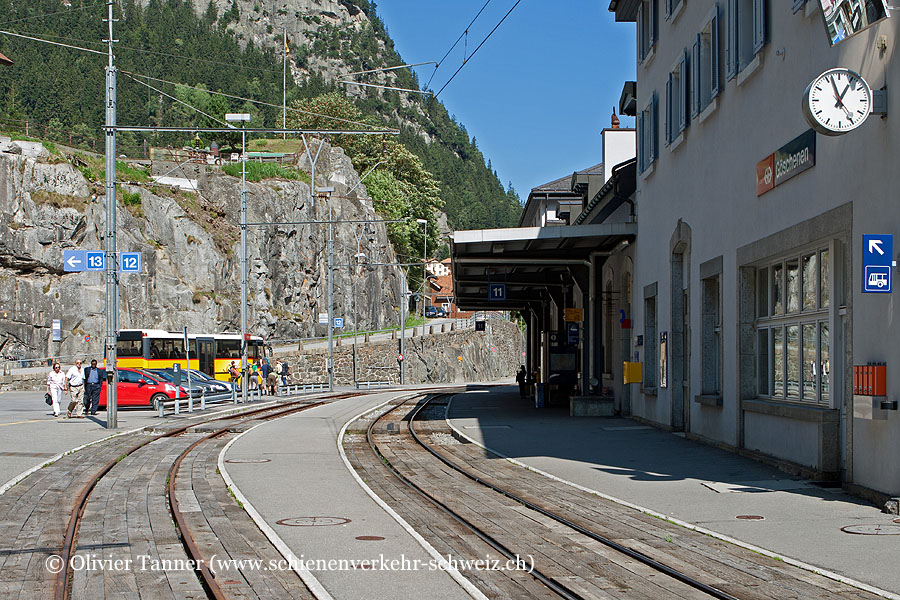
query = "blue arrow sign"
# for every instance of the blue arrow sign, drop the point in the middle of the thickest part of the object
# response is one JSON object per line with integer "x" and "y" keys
{"x": 74, "y": 260}
{"x": 878, "y": 262}
{"x": 496, "y": 291}
{"x": 95, "y": 261}
{"x": 130, "y": 262}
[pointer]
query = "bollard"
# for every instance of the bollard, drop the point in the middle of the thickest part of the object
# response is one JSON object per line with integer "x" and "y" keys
{"x": 203, "y": 400}
{"x": 234, "y": 395}
{"x": 162, "y": 408}
{"x": 190, "y": 403}
{"x": 177, "y": 404}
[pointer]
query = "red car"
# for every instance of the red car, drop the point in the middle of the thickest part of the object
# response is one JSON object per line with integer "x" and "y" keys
{"x": 140, "y": 388}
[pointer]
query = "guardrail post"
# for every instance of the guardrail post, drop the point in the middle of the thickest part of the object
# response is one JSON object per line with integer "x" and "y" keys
{"x": 162, "y": 409}
{"x": 203, "y": 400}
{"x": 234, "y": 395}
{"x": 190, "y": 403}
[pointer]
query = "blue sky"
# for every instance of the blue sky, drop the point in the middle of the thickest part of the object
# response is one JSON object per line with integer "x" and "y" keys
{"x": 538, "y": 92}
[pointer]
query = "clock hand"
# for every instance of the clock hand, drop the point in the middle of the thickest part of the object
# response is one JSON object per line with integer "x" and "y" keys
{"x": 845, "y": 92}
{"x": 834, "y": 87}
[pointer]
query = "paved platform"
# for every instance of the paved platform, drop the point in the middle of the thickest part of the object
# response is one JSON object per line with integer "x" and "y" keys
{"x": 303, "y": 481}
{"x": 689, "y": 481}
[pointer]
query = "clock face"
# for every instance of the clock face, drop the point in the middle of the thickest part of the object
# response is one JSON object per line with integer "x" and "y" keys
{"x": 837, "y": 101}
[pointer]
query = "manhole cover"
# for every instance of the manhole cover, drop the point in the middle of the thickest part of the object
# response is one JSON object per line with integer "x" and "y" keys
{"x": 750, "y": 517}
{"x": 313, "y": 521}
{"x": 872, "y": 529}
{"x": 248, "y": 460}
{"x": 369, "y": 538}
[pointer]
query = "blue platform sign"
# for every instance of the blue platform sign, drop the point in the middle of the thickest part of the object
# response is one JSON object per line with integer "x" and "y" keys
{"x": 74, "y": 260}
{"x": 130, "y": 262}
{"x": 338, "y": 322}
{"x": 95, "y": 261}
{"x": 496, "y": 291}
{"x": 878, "y": 263}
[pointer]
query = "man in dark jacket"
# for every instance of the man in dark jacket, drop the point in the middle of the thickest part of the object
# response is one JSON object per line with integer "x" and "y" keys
{"x": 265, "y": 369}
{"x": 93, "y": 381}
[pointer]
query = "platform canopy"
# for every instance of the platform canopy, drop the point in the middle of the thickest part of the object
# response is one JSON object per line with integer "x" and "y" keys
{"x": 527, "y": 261}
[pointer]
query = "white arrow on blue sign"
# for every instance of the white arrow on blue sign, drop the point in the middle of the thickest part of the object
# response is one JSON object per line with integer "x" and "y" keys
{"x": 878, "y": 262}
{"x": 130, "y": 262}
{"x": 73, "y": 260}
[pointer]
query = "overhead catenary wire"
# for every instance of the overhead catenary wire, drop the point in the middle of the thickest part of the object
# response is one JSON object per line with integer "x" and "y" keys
{"x": 69, "y": 11}
{"x": 464, "y": 33}
{"x": 497, "y": 26}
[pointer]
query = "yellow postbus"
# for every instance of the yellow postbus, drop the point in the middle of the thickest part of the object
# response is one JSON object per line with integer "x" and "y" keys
{"x": 210, "y": 353}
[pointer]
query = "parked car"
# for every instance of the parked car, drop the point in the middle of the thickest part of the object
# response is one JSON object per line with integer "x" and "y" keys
{"x": 442, "y": 312}
{"x": 197, "y": 385}
{"x": 218, "y": 385}
{"x": 431, "y": 312}
{"x": 137, "y": 387}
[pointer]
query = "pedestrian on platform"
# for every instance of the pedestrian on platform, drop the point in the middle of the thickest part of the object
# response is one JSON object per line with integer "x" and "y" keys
{"x": 254, "y": 377}
{"x": 75, "y": 387}
{"x": 233, "y": 374}
{"x": 93, "y": 383}
{"x": 56, "y": 385}
{"x": 265, "y": 369}
{"x": 284, "y": 372}
{"x": 522, "y": 380}
{"x": 272, "y": 381}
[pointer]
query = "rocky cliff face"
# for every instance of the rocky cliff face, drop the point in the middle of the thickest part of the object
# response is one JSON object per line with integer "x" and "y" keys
{"x": 190, "y": 245}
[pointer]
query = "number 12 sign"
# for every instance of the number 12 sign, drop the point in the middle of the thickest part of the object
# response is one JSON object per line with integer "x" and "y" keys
{"x": 130, "y": 262}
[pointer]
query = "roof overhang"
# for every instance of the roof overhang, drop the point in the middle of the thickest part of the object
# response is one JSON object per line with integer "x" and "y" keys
{"x": 528, "y": 260}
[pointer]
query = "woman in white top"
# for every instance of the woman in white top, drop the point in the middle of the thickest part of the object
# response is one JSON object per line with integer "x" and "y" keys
{"x": 56, "y": 383}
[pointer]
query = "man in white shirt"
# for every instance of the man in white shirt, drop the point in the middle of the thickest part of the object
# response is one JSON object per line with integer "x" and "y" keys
{"x": 75, "y": 386}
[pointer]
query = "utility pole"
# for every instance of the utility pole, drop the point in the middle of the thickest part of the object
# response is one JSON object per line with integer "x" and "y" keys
{"x": 284, "y": 87}
{"x": 330, "y": 289}
{"x": 403, "y": 325}
{"x": 245, "y": 381}
{"x": 112, "y": 283}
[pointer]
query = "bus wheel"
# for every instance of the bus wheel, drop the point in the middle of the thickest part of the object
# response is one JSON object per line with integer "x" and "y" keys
{"x": 157, "y": 399}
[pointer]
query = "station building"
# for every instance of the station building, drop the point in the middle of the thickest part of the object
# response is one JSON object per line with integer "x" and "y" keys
{"x": 746, "y": 290}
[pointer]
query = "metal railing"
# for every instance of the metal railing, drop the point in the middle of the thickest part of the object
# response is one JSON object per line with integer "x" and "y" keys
{"x": 372, "y": 384}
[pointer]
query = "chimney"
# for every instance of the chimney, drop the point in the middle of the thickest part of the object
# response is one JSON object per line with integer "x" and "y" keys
{"x": 615, "y": 119}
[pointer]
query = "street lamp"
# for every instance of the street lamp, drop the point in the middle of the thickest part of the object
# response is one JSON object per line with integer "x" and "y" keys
{"x": 243, "y": 118}
{"x": 424, "y": 222}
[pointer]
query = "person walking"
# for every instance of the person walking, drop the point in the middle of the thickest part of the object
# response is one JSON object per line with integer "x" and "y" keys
{"x": 93, "y": 383}
{"x": 265, "y": 369}
{"x": 277, "y": 369}
{"x": 75, "y": 387}
{"x": 56, "y": 385}
{"x": 254, "y": 377}
{"x": 272, "y": 381}
{"x": 233, "y": 374}
{"x": 284, "y": 372}
{"x": 522, "y": 380}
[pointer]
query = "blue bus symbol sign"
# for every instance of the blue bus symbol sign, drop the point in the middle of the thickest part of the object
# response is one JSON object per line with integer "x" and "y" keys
{"x": 338, "y": 322}
{"x": 130, "y": 262}
{"x": 878, "y": 251}
{"x": 496, "y": 291}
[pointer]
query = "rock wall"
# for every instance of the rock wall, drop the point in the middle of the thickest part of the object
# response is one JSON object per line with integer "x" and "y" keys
{"x": 190, "y": 245}
{"x": 453, "y": 357}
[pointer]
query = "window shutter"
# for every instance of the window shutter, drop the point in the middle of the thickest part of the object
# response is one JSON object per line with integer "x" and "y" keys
{"x": 654, "y": 128}
{"x": 798, "y": 4}
{"x": 684, "y": 92}
{"x": 642, "y": 133}
{"x": 669, "y": 127}
{"x": 641, "y": 32}
{"x": 759, "y": 25}
{"x": 695, "y": 78}
{"x": 732, "y": 46}
{"x": 714, "y": 55}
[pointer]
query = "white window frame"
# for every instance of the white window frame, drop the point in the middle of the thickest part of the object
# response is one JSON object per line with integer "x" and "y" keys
{"x": 705, "y": 64}
{"x": 647, "y": 30}
{"x": 677, "y": 100}
{"x": 810, "y": 363}
{"x": 673, "y": 9}
{"x": 747, "y": 33}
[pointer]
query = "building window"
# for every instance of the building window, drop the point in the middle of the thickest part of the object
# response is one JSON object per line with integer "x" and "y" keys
{"x": 711, "y": 336}
{"x": 648, "y": 134}
{"x": 792, "y": 331}
{"x": 650, "y": 347}
{"x": 647, "y": 27}
{"x": 609, "y": 311}
{"x": 746, "y": 33}
{"x": 705, "y": 64}
{"x": 677, "y": 100}
{"x": 798, "y": 4}
{"x": 673, "y": 7}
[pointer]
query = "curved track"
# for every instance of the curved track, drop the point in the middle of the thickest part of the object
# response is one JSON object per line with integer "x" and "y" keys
{"x": 213, "y": 588}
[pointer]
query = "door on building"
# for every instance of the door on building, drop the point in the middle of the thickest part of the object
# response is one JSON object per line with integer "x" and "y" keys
{"x": 206, "y": 353}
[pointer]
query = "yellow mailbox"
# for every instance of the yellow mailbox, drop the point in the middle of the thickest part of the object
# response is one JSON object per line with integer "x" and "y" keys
{"x": 634, "y": 372}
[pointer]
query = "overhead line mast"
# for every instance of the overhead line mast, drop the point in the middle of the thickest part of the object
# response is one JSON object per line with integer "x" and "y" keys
{"x": 112, "y": 283}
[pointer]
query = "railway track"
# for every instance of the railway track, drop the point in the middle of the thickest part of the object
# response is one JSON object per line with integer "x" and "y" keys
{"x": 141, "y": 467}
{"x": 517, "y": 513}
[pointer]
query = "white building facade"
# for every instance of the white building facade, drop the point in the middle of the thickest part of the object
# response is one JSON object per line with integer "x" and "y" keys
{"x": 749, "y": 311}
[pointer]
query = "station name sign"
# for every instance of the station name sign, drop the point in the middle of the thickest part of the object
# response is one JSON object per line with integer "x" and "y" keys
{"x": 791, "y": 159}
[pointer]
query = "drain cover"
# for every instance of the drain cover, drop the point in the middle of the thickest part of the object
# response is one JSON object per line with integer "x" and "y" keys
{"x": 872, "y": 529}
{"x": 313, "y": 521}
{"x": 750, "y": 517}
{"x": 369, "y": 538}
{"x": 248, "y": 460}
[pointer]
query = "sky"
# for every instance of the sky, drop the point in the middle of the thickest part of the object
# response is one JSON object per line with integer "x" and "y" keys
{"x": 539, "y": 91}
